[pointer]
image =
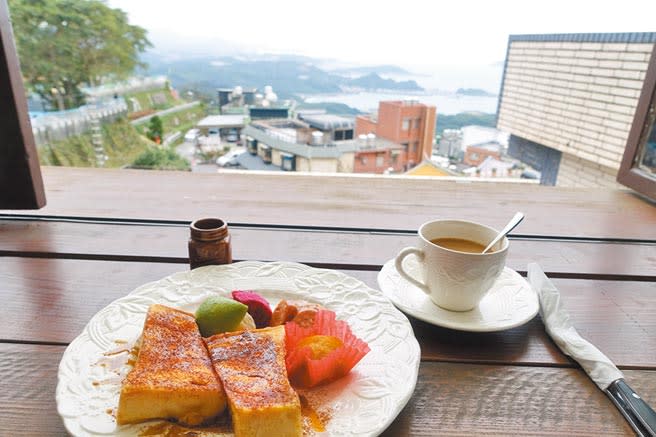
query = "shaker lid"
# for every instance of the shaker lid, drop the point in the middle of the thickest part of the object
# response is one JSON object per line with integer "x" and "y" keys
{"x": 208, "y": 229}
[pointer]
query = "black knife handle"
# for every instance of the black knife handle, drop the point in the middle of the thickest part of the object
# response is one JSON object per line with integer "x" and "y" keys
{"x": 636, "y": 411}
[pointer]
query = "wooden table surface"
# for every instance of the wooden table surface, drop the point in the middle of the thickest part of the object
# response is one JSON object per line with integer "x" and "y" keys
{"x": 104, "y": 233}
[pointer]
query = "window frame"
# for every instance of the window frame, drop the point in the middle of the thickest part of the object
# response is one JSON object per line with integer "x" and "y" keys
{"x": 20, "y": 171}
{"x": 629, "y": 174}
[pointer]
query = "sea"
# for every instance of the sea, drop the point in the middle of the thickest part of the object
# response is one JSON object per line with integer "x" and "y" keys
{"x": 446, "y": 103}
{"x": 440, "y": 86}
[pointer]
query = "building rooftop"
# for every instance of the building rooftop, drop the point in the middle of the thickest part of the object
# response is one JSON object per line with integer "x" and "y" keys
{"x": 328, "y": 122}
{"x": 407, "y": 102}
{"x": 490, "y": 163}
{"x": 332, "y": 150}
{"x": 428, "y": 168}
{"x": 222, "y": 121}
{"x": 309, "y": 111}
{"x": 492, "y": 146}
{"x": 281, "y": 134}
{"x": 376, "y": 143}
{"x": 280, "y": 123}
{"x": 621, "y": 37}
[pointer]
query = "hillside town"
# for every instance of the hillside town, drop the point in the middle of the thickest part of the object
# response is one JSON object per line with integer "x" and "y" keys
{"x": 567, "y": 130}
{"x": 249, "y": 129}
{"x": 399, "y": 138}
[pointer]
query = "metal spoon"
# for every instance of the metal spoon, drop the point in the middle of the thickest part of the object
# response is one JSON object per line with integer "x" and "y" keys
{"x": 517, "y": 218}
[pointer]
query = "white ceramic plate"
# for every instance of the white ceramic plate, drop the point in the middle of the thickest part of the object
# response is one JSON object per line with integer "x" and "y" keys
{"x": 363, "y": 403}
{"x": 510, "y": 302}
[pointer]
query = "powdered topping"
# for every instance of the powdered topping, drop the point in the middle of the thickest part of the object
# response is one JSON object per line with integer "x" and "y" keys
{"x": 251, "y": 366}
{"x": 172, "y": 353}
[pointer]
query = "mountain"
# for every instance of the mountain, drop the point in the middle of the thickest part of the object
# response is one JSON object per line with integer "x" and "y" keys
{"x": 289, "y": 75}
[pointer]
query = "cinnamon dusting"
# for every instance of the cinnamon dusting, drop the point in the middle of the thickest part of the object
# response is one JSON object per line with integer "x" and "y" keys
{"x": 315, "y": 420}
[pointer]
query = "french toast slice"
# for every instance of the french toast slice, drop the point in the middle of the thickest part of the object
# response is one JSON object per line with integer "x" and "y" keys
{"x": 251, "y": 366}
{"x": 173, "y": 377}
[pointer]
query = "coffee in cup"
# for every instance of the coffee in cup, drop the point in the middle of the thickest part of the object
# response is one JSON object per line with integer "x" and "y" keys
{"x": 455, "y": 274}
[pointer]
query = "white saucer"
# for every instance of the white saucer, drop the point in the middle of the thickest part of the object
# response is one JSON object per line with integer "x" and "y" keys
{"x": 510, "y": 303}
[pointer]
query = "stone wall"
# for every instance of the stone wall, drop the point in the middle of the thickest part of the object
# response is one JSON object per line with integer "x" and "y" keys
{"x": 578, "y": 172}
{"x": 575, "y": 93}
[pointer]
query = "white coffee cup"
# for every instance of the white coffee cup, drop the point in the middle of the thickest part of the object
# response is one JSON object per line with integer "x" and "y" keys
{"x": 454, "y": 280}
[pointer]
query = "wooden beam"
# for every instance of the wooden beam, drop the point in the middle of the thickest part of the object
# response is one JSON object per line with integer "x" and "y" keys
{"x": 21, "y": 186}
{"x": 330, "y": 249}
{"x": 362, "y": 201}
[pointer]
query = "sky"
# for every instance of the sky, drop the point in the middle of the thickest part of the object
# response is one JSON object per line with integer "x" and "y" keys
{"x": 408, "y": 33}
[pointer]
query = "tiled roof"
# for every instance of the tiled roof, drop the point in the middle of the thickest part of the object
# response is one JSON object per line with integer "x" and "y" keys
{"x": 427, "y": 168}
{"x": 623, "y": 37}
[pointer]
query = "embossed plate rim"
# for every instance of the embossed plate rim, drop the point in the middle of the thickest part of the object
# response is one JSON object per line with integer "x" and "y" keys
{"x": 379, "y": 371}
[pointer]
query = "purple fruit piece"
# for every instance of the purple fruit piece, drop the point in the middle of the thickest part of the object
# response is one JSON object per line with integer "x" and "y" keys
{"x": 258, "y": 307}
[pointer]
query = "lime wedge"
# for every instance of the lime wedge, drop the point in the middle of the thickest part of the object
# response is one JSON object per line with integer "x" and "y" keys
{"x": 219, "y": 314}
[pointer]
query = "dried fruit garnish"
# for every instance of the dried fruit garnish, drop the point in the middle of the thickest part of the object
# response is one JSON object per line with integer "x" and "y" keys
{"x": 258, "y": 307}
{"x": 320, "y": 345}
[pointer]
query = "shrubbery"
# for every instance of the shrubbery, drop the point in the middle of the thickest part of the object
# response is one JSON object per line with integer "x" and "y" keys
{"x": 160, "y": 158}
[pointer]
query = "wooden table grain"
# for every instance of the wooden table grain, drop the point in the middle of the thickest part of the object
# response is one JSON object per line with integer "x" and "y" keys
{"x": 93, "y": 244}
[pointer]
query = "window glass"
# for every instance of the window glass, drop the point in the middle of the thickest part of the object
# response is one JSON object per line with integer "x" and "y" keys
{"x": 647, "y": 152}
{"x": 175, "y": 71}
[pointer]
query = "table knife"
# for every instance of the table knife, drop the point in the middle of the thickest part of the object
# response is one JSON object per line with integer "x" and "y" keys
{"x": 598, "y": 366}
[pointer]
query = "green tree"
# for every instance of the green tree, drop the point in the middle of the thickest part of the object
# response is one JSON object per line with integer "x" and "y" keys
{"x": 65, "y": 44}
{"x": 155, "y": 129}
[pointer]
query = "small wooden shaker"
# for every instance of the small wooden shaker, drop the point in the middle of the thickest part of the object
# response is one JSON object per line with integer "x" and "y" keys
{"x": 209, "y": 243}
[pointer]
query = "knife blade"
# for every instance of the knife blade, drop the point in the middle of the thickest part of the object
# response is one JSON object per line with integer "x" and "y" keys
{"x": 598, "y": 366}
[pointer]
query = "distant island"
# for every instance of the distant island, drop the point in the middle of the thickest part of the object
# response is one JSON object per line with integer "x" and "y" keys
{"x": 378, "y": 69}
{"x": 373, "y": 81}
{"x": 457, "y": 121}
{"x": 474, "y": 92}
